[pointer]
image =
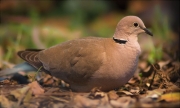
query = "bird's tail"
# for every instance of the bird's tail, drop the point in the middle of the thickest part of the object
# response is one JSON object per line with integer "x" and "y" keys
{"x": 26, "y": 67}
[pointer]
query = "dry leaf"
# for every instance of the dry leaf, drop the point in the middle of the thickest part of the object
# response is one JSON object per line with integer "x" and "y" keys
{"x": 134, "y": 90}
{"x": 5, "y": 103}
{"x": 171, "y": 97}
{"x": 24, "y": 93}
{"x": 122, "y": 92}
{"x": 122, "y": 102}
{"x": 36, "y": 88}
{"x": 83, "y": 102}
{"x": 96, "y": 93}
{"x": 154, "y": 94}
{"x": 112, "y": 95}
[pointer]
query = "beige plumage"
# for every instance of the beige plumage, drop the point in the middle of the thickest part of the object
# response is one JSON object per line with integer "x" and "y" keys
{"x": 93, "y": 62}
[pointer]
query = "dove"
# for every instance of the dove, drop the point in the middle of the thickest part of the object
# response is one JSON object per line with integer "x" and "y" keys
{"x": 93, "y": 62}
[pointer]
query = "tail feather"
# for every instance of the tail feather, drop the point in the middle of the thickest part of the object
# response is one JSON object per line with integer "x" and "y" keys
{"x": 32, "y": 63}
{"x": 20, "y": 67}
{"x": 31, "y": 56}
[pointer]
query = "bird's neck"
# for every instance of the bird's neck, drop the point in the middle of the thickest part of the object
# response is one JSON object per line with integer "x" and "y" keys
{"x": 128, "y": 42}
{"x": 120, "y": 41}
{"x": 123, "y": 38}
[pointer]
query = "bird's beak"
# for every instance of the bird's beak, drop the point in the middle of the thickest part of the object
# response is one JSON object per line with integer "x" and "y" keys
{"x": 147, "y": 31}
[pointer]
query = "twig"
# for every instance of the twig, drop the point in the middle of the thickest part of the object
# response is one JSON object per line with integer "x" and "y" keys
{"x": 64, "y": 93}
{"x": 59, "y": 99}
{"x": 155, "y": 71}
{"x": 22, "y": 98}
{"x": 37, "y": 73}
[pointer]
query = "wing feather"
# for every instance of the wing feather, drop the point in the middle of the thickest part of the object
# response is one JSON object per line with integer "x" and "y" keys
{"x": 31, "y": 57}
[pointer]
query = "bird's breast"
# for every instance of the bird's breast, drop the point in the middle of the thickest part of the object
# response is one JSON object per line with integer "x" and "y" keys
{"x": 119, "y": 65}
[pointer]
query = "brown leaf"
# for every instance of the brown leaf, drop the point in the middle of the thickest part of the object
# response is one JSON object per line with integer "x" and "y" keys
{"x": 83, "y": 102}
{"x": 112, "y": 95}
{"x": 36, "y": 88}
{"x": 122, "y": 92}
{"x": 5, "y": 103}
{"x": 122, "y": 102}
{"x": 22, "y": 94}
{"x": 96, "y": 93}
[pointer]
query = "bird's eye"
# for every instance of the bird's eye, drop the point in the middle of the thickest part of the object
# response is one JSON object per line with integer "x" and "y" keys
{"x": 136, "y": 24}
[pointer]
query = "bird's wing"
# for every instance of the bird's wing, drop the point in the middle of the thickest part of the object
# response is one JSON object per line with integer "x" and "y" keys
{"x": 74, "y": 61}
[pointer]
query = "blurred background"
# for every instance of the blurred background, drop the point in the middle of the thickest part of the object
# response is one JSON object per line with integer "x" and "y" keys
{"x": 43, "y": 23}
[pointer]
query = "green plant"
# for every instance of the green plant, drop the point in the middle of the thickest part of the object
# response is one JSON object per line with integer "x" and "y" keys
{"x": 155, "y": 54}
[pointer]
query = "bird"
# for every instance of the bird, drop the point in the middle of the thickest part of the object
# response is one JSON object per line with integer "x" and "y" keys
{"x": 93, "y": 62}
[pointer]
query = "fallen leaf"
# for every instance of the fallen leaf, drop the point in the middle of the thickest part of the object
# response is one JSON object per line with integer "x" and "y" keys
{"x": 124, "y": 92}
{"x": 154, "y": 94}
{"x": 112, "y": 95}
{"x": 134, "y": 90}
{"x": 83, "y": 102}
{"x": 96, "y": 93}
{"x": 171, "y": 97}
{"x": 22, "y": 93}
{"x": 36, "y": 88}
{"x": 122, "y": 102}
{"x": 5, "y": 103}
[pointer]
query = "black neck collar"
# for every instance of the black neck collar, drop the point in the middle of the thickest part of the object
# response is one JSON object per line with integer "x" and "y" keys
{"x": 120, "y": 41}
